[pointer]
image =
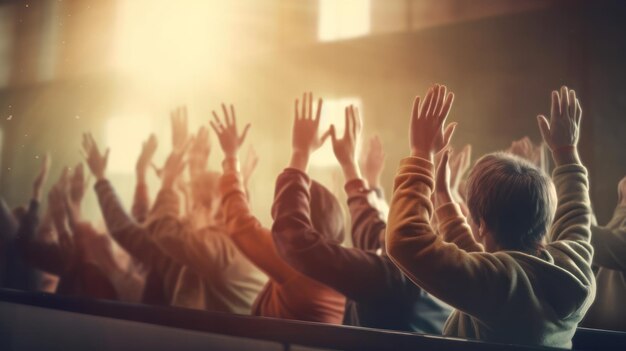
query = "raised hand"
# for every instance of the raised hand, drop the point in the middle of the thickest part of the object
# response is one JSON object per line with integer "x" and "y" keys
{"x": 621, "y": 192}
{"x": 41, "y": 178}
{"x": 427, "y": 134}
{"x": 373, "y": 161}
{"x": 174, "y": 166}
{"x": 180, "y": 132}
{"x": 561, "y": 133}
{"x": 57, "y": 197}
{"x": 96, "y": 161}
{"x": 345, "y": 148}
{"x": 148, "y": 150}
{"x": 230, "y": 139}
{"x": 305, "y": 135}
{"x": 459, "y": 164}
{"x": 199, "y": 152}
{"x": 249, "y": 165}
{"x": 77, "y": 186}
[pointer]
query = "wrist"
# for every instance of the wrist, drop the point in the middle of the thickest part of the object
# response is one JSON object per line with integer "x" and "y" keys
{"x": 442, "y": 198}
{"x": 351, "y": 171}
{"x": 299, "y": 160}
{"x": 230, "y": 164}
{"x": 564, "y": 155}
{"x": 416, "y": 152}
{"x": 141, "y": 177}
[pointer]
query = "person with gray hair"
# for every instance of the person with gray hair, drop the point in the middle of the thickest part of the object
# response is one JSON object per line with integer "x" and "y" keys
{"x": 522, "y": 272}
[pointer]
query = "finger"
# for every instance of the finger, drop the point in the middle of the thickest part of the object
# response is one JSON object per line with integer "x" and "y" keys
{"x": 303, "y": 111}
{"x": 427, "y": 101}
{"x": 310, "y": 106}
{"x": 431, "y": 108}
{"x": 571, "y": 107}
{"x": 353, "y": 122}
{"x": 105, "y": 159}
{"x": 579, "y": 112}
{"x": 218, "y": 123}
{"x": 329, "y": 132}
{"x": 319, "y": 111}
{"x": 416, "y": 109}
{"x": 243, "y": 135}
{"x": 346, "y": 126}
{"x": 544, "y": 128}
{"x": 439, "y": 103}
{"x": 448, "y": 132}
{"x": 446, "y": 109}
{"x": 555, "y": 108}
{"x": 296, "y": 111}
{"x": 358, "y": 120}
{"x": 564, "y": 101}
{"x": 214, "y": 128}
{"x": 225, "y": 111}
{"x": 232, "y": 115}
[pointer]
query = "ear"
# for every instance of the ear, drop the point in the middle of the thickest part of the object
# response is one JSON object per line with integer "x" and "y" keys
{"x": 482, "y": 228}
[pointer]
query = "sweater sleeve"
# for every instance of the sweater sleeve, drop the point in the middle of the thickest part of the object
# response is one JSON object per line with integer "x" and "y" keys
{"x": 473, "y": 282}
{"x": 461, "y": 279}
{"x": 570, "y": 233}
{"x": 368, "y": 222}
{"x": 126, "y": 232}
{"x": 454, "y": 228}
{"x": 609, "y": 242}
{"x": 141, "y": 202}
{"x": 45, "y": 256}
{"x": 202, "y": 251}
{"x": 358, "y": 274}
{"x": 251, "y": 238}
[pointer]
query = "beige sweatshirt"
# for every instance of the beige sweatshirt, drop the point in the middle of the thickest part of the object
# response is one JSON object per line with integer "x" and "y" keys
{"x": 609, "y": 243}
{"x": 506, "y": 296}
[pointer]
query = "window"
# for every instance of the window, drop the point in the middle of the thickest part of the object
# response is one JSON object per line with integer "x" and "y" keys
{"x": 343, "y": 19}
{"x": 333, "y": 112}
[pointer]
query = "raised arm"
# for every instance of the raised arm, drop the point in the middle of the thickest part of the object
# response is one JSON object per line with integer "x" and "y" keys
{"x": 609, "y": 242}
{"x": 49, "y": 257}
{"x": 355, "y": 273}
{"x": 367, "y": 221}
{"x": 572, "y": 220}
{"x": 128, "y": 233}
{"x": 141, "y": 199}
{"x": 451, "y": 222}
{"x": 244, "y": 228}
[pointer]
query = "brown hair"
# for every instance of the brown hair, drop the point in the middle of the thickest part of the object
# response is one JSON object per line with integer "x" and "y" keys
{"x": 515, "y": 199}
{"x": 326, "y": 214}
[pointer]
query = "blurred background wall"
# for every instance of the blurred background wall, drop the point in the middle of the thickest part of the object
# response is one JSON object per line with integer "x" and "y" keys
{"x": 116, "y": 68}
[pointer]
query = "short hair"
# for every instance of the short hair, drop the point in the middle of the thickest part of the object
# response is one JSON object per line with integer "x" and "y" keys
{"x": 205, "y": 188}
{"x": 515, "y": 199}
{"x": 326, "y": 213}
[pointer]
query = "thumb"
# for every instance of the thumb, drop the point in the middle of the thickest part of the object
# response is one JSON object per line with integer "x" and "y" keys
{"x": 243, "y": 135}
{"x": 544, "y": 128}
{"x": 329, "y": 133}
{"x": 448, "y": 132}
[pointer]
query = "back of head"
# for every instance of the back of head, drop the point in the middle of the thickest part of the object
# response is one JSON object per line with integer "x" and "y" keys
{"x": 514, "y": 198}
{"x": 204, "y": 188}
{"x": 326, "y": 213}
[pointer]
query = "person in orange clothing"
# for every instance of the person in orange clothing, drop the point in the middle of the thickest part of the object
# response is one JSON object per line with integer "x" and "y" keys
{"x": 288, "y": 294}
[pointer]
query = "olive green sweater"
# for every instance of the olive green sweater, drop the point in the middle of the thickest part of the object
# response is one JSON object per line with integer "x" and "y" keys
{"x": 506, "y": 296}
{"x": 609, "y": 243}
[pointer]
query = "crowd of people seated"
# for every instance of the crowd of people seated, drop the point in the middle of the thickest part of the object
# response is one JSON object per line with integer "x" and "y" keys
{"x": 495, "y": 249}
